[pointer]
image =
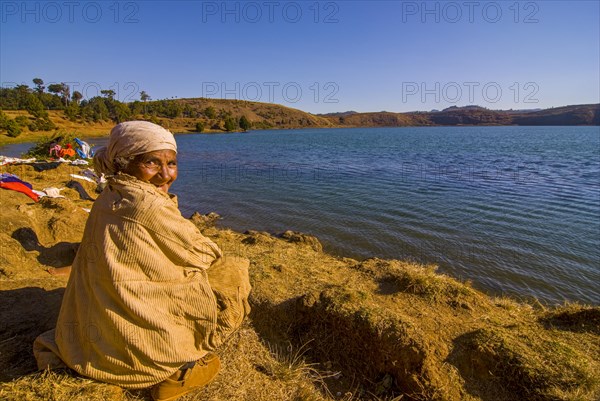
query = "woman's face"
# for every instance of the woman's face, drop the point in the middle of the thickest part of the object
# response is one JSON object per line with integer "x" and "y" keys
{"x": 158, "y": 168}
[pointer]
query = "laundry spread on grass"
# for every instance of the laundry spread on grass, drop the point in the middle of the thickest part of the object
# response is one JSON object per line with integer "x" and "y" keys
{"x": 16, "y": 160}
{"x": 48, "y": 155}
{"x": 59, "y": 148}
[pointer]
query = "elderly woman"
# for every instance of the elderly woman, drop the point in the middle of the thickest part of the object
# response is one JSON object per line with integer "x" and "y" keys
{"x": 149, "y": 296}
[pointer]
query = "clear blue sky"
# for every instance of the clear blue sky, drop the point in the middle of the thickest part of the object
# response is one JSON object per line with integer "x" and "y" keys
{"x": 319, "y": 57}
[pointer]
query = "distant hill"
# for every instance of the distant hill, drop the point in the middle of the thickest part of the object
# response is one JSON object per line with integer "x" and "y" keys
{"x": 519, "y": 111}
{"x": 469, "y": 107}
{"x": 339, "y": 114}
{"x": 586, "y": 114}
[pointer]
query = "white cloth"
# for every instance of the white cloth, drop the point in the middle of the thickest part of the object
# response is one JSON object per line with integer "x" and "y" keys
{"x": 81, "y": 177}
{"x": 53, "y": 192}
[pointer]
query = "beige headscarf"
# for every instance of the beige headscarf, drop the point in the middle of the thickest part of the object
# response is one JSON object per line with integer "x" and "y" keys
{"x": 132, "y": 138}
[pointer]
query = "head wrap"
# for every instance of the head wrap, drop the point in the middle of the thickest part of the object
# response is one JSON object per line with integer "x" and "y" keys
{"x": 132, "y": 138}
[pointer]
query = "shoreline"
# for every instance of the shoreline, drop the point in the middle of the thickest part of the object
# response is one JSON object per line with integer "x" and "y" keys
{"x": 104, "y": 134}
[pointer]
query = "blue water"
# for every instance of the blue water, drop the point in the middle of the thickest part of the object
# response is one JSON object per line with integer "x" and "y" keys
{"x": 516, "y": 210}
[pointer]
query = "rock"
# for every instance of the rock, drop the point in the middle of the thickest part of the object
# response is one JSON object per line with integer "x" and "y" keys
{"x": 257, "y": 237}
{"x": 300, "y": 238}
{"x": 250, "y": 240}
{"x": 204, "y": 221}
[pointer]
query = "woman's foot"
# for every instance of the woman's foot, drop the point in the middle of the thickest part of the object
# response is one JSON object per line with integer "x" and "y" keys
{"x": 59, "y": 271}
{"x": 184, "y": 381}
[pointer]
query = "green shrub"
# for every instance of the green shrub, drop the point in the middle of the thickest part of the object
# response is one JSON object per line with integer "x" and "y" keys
{"x": 230, "y": 124}
{"x": 210, "y": 112}
{"x": 245, "y": 123}
{"x": 23, "y": 121}
{"x": 42, "y": 124}
{"x": 41, "y": 150}
{"x": 3, "y": 120}
{"x": 13, "y": 129}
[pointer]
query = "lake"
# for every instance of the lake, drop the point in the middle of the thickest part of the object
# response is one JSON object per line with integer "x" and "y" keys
{"x": 516, "y": 210}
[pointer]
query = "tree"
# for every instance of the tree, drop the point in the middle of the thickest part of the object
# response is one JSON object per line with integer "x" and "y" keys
{"x": 39, "y": 85}
{"x": 245, "y": 123}
{"x": 173, "y": 109}
{"x": 121, "y": 112}
{"x": 199, "y": 126}
{"x": 144, "y": 98}
{"x": 109, "y": 93}
{"x": 66, "y": 93}
{"x": 61, "y": 89}
{"x": 188, "y": 111}
{"x": 136, "y": 107}
{"x": 22, "y": 94}
{"x": 77, "y": 96}
{"x": 15, "y": 98}
{"x": 72, "y": 111}
{"x": 95, "y": 109}
{"x": 35, "y": 107}
{"x": 51, "y": 101}
{"x": 55, "y": 88}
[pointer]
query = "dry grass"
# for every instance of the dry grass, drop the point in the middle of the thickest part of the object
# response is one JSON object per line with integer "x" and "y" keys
{"x": 251, "y": 371}
{"x": 533, "y": 365}
{"x": 573, "y": 317}
{"x": 426, "y": 282}
{"x": 60, "y": 386}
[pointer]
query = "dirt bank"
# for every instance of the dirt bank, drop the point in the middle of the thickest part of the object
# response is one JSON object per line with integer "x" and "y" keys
{"x": 322, "y": 327}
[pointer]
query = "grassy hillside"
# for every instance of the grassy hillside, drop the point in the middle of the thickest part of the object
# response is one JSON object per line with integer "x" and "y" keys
{"x": 63, "y": 124}
{"x": 260, "y": 115}
{"x": 322, "y": 327}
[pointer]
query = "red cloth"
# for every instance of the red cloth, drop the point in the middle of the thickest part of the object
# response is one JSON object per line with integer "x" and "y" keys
{"x": 19, "y": 187}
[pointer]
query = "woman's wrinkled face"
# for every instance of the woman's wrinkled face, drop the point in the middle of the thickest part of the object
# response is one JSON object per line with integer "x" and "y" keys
{"x": 158, "y": 168}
